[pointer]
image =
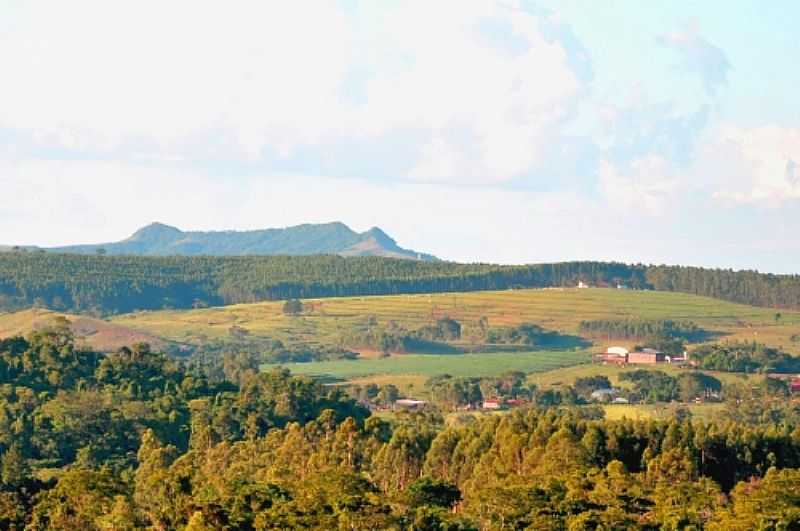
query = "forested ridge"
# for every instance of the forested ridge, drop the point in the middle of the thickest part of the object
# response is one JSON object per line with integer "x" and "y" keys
{"x": 116, "y": 284}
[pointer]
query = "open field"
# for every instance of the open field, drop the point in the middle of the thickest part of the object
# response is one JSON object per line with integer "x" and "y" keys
{"x": 487, "y": 364}
{"x": 562, "y": 310}
{"x": 567, "y": 375}
{"x": 326, "y": 321}
{"x": 705, "y": 412}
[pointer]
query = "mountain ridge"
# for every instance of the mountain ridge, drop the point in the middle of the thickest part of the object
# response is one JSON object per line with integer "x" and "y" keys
{"x": 160, "y": 239}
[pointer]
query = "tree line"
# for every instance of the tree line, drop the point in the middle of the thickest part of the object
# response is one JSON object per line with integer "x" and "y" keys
{"x": 641, "y": 329}
{"x": 119, "y": 284}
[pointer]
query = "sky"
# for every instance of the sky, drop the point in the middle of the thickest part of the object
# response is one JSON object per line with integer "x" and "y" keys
{"x": 506, "y": 131}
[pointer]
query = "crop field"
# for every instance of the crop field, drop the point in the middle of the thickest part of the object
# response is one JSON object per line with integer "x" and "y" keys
{"x": 562, "y": 310}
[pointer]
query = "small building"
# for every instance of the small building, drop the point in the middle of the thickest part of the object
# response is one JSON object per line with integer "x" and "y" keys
{"x": 603, "y": 395}
{"x": 620, "y": 400}
{"x": 582, "y": 285}
{"x": 492, "y": 404}
{"x": 407, "y": 403}
{"x": 618, "y": 355}
{"x": 515, "y": 402}
{"x": 794, "y": 386}
{"x": 678, "y": 360}
{"x": 646, "y": 356}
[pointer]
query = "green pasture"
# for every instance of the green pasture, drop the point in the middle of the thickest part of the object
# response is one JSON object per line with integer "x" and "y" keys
{"x": 485, "y": 364}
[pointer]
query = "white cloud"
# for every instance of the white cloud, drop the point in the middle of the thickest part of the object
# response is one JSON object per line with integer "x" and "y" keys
{"x": 751, "y": 164}
{"x": 699, "y": 55}
{"x": 190, "y": 78}
{"x": 647, "y": 186}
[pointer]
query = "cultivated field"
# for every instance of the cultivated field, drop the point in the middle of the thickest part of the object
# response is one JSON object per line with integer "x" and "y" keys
{"x": 562, "y": 310}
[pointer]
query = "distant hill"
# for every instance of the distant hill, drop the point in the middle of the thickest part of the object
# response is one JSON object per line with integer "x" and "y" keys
{"x": 158, "y": 239}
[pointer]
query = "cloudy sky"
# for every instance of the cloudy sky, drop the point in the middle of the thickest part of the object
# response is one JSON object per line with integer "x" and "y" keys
{"x": 504, "y": 131}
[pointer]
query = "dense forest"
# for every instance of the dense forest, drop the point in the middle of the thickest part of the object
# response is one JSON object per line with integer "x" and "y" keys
{"x": 117, "y": 284}
{"x": 132, "y": 440}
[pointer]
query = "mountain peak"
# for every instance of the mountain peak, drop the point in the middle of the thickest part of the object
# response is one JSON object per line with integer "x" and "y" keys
{"x": 380, "y": 237}
{"x": 158, "y": 239}
{"x": 156, "y": 231}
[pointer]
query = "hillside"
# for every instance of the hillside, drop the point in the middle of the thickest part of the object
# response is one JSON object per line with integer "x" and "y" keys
{"x": 325, "y": 321}
{"x": 158, "y": 239}
{"x": 97, "y": 334}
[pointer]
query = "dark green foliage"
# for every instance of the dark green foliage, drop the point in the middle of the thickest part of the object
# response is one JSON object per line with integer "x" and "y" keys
{"x": 451, "y": 392}
{"x": 117, "y": 284}
{"x": 693, "y": 385}
{"x": 527, "y": 334}
{"x": 293, "y": 307}
{"x": 657, "y": 386}
{"x": 641, "y": 329}
{"x": 744, "y": 357}
{"x": 651, "y": 386}
{"x": 273, "y": 399}
{"x": 587, "y": 385}
{"x": 444, "y": 329}
{"x": 235, "y": 359}
{"x": 433, "y": 492}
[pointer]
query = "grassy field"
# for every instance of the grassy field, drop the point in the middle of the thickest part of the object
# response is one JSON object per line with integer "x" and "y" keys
{"x": 325, "y": 321}
{"x": 427, "y": 365}
{"x": 557, "y": 309}
{"x": 567, "y": 375}
{"x": 705, "y": 412}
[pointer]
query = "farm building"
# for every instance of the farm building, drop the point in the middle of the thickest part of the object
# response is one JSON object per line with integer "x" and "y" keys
{"x": 794, "y": 386}
{"x": 492, "y": 404}
{"x": 617, "y": 355}
{"x": 678, "y": 360}
{"x": 646, "y": 356}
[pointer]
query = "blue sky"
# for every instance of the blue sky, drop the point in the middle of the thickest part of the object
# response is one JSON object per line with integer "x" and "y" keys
{"x": 507, "y": 131}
